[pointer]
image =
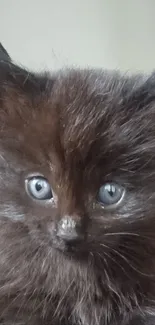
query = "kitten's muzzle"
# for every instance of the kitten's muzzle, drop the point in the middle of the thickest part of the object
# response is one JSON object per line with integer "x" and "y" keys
{"x": 70, "y": 230}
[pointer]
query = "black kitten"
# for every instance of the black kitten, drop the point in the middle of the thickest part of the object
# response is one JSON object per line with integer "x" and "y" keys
{"x": 77, "y": 198}
{"x": 4, "y": 56}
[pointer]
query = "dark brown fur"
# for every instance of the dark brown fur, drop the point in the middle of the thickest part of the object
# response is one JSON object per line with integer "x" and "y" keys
{"x": 79, "y": 129}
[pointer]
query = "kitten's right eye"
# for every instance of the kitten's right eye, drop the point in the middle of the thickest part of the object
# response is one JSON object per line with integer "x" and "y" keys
{"x": 39, "y": 188}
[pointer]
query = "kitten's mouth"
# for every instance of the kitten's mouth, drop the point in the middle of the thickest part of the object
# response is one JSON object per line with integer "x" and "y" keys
{"x": 74, "y": 249}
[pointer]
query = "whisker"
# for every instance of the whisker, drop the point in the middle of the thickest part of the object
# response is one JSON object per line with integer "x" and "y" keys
{"x": 63, "y": 297}
{"x": 130, "y": 234}
{"x": 113, "y": 259}
{"x": 128, "y": 261}
{"x": 122, "y": 233}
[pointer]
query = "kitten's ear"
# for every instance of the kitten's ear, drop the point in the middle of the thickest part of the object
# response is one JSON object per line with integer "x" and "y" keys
{"x": 143, "y": 92}
{"x": 4, "y": 56}
{"x": 15, "y": 77}
{"x": 139, "y": 91}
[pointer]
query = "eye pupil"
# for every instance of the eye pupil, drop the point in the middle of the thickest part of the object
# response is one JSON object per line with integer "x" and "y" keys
{"x": 111, "y": 190}
{"x": 39, "y": 186}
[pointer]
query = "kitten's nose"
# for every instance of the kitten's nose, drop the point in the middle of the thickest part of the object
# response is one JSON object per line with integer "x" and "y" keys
{"x": 70, "y": 230}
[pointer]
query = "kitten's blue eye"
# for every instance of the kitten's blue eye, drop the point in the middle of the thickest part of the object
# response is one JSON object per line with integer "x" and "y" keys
{"x": 39, "y": 188}
{"x": 110, "y": 194}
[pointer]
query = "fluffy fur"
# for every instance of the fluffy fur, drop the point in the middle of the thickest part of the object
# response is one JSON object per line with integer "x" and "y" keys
{"x": 79, "y": 129}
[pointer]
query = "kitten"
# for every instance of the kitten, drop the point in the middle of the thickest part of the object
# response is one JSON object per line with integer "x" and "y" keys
{"x": 77, "y": 198}
{"x": 4, "y": 55}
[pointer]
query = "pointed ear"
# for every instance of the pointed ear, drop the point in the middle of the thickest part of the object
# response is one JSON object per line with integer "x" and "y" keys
{"x": 139, "y": 91}
{"x": 4, "y": 54}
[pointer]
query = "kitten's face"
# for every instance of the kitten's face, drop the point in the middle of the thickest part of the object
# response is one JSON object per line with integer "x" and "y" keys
{"x": 77, "y": 181}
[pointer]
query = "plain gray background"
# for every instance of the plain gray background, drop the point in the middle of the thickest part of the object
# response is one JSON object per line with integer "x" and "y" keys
{"x": 52, "y": 33}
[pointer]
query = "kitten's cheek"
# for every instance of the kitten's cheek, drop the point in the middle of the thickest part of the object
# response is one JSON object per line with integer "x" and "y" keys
{"x": 13, "y": 214}
{"x": 51, "y": 229}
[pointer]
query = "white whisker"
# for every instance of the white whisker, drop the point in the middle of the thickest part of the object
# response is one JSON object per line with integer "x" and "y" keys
{"x": 122, "y": 233}
{"x": 127, "y": 261}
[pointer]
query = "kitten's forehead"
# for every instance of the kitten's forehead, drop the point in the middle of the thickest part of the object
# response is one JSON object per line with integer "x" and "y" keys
{"x": 73, "y": 105}
{"x": 72, "y": 114}
{"x": 82, "y": 99}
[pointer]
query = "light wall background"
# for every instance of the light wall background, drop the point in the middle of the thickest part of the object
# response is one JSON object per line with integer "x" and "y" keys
{"x": 43, "y": 34}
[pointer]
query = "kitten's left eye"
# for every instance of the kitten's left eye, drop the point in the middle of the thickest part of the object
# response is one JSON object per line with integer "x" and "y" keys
{"x": 111, "y": 194}
{"x": 39, "y": 188}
